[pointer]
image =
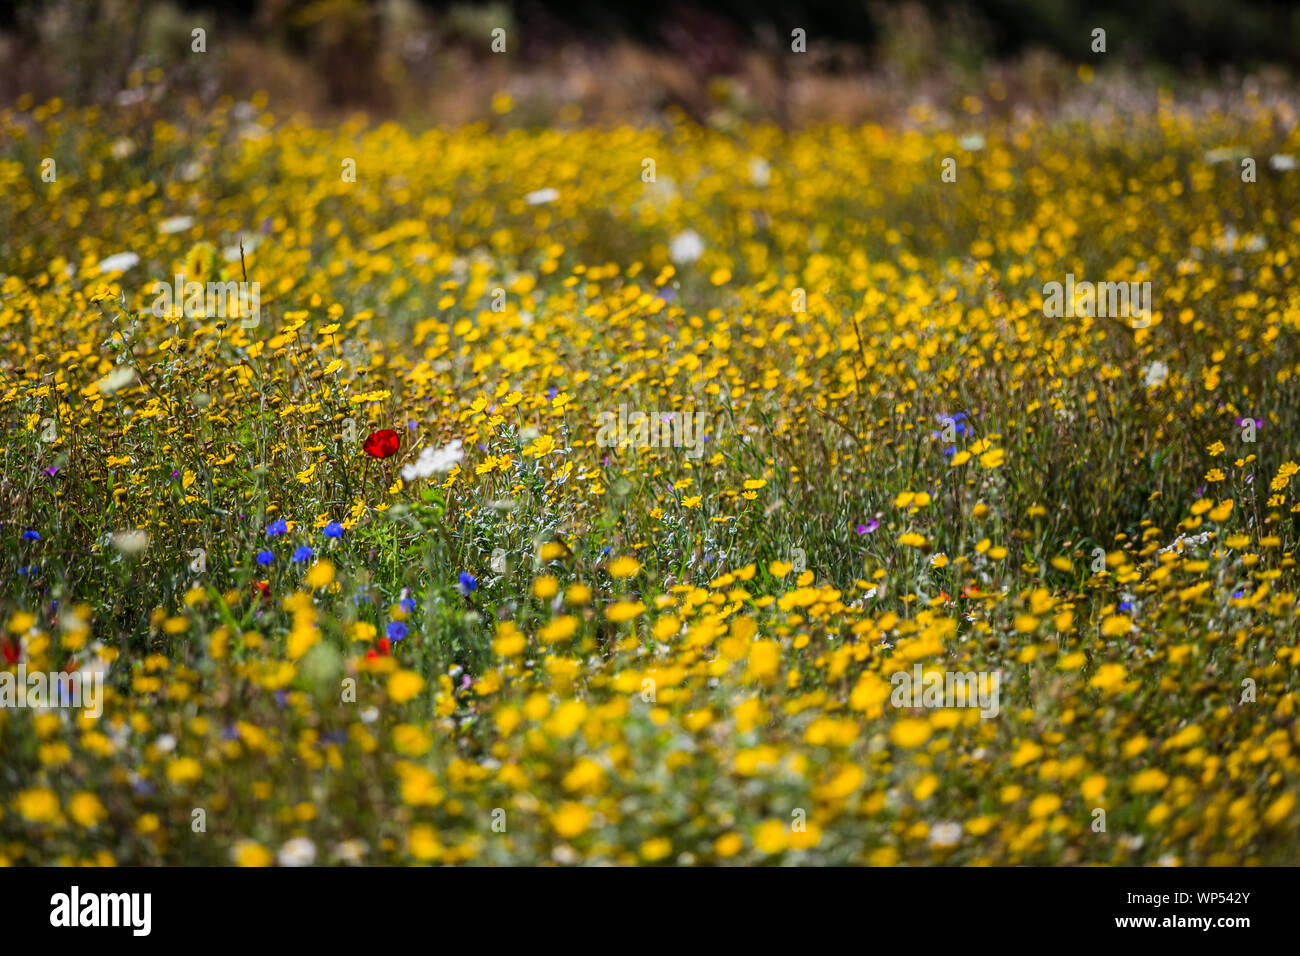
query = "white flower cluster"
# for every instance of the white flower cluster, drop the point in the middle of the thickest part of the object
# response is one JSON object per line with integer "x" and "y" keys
{"x": 434, "y": 461}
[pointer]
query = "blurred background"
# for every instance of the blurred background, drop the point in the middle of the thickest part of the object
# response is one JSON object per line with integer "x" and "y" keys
{"x": 592, "y": 61}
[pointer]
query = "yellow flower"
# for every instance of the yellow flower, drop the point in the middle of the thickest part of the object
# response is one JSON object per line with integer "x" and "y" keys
{"x": 1116, "y": 625}
{"x": 1044, "y": 805}
{"x": 85, "y": 809}
{"x": 728, "y": 845}
{"x": 764, "y": 660}
{"x": 623, "y": 611}
{"x": 571, "y": 820}
{"x": 623, "y": 567}
{"x": 38, "y": 805}
{"x": 1093, "y": 787}
{"x": 1148, "y": 781}
{"x": 1280, "y": 809}
{"x": 1108, "y": 677}
{"x": 560, "y": 629}
{"x": 656, "y": 849}
{"x": 909, "y": 732}
{"x": 250, "y": 853}
{"x": 509, "y": 641}
{"x": 320, "y": 575}
{"x": 184, "y": 770}
{"x": 403, "y": 685}
{"x": 423, "y": 843}
{"x": 771, "y": 836}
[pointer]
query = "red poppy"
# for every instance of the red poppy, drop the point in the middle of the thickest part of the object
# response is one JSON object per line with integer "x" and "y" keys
{"x": 11, "y": 651}
{"x": 382, "y": 444}
{"x": 383, "y": 646}
{"x": 261, "y": 589}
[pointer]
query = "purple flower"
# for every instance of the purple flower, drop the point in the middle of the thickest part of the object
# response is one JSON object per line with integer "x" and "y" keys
{"x": 868, "y": 528}
{"x": 52, "y": 470}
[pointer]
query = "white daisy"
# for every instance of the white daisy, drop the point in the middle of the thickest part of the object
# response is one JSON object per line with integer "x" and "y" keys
{"x": 686, "y": 247}
{"x": 435, "y": 461}
{"x": 119, "y": 262}
{"x": 299, "y": 851}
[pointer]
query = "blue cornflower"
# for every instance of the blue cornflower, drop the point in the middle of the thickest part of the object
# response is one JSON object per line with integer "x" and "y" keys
{"x": 468, "y": 582}
{"x": 302, "y": 553}
{"x": 30, "y": 535}
{"x": 278, "y": 526}
{"x": 265, "y": 557}
{"x": 334, "y": 530}
{"x": 407, "y": 604}
{"x": 396, "y": 630}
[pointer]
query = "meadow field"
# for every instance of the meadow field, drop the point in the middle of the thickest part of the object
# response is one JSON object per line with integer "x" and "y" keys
{"x": 328, "y": 445}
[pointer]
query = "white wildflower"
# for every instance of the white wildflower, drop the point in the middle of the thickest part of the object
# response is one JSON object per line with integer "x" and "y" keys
{"x": 686, "y": 247}
{"x": 945, "y": 833}
{"x": 1155, "y": 374}
{"x": 434, "y": 461}
{"x": 175, "y": 224}
{"x": 299, "y": 851}
{"x": 119, "y": 262}
{"x": 116, "y": 380}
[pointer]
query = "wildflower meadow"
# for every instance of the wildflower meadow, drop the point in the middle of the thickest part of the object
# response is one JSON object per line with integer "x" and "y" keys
{"x": 919, "y": 490}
